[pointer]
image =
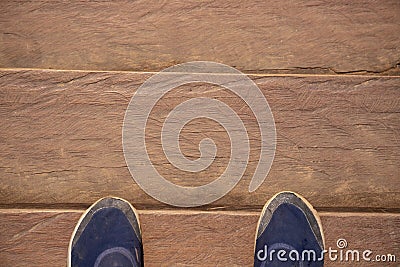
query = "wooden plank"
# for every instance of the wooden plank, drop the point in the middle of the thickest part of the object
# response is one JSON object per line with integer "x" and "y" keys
{"x": 190, "y": 238}
{"x": 254, "y": 36}
{"x": 338, "y": 140}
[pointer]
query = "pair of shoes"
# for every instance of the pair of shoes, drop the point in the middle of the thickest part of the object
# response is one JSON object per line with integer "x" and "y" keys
{"x": 108, "y": 234}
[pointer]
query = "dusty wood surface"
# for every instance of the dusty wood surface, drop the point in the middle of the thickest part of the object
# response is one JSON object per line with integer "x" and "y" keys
{"x": 254, "y": 36}
{"x": 338, "y": 140}
{"x": 40, "y": 238}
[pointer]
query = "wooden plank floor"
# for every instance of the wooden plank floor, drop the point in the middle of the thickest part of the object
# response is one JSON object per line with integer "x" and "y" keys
{"x": 330, "y": 71}
{"x": 338, "y": 145}
{"x": 188, "y": 238}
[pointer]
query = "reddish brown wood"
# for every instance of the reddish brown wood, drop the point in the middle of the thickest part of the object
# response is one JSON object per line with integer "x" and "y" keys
{"x": 190, "y": 238}
{"x": 338, "y": 140}
{"x": 253, "y": 36}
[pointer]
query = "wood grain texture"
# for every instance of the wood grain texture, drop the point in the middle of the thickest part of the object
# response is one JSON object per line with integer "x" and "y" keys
{"x": 189, "y": 238}
{"x": 253, "y": 36}
{"x": 338, "y": 140}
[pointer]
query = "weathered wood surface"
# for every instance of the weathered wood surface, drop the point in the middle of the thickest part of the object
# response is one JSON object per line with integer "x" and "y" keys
{"x": 254, "y": 36}
{"x": 338, "y": 140}
{"x": 172, "y": 238}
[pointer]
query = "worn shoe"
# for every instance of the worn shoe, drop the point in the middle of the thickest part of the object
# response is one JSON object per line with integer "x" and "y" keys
{"x": 289, "y": 233}
{"x": 107, "y": 235}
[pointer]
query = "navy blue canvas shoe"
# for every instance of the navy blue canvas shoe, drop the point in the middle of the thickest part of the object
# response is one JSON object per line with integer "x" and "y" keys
{"x": 108, "y": 234}
{"x": 289, "y": 233}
